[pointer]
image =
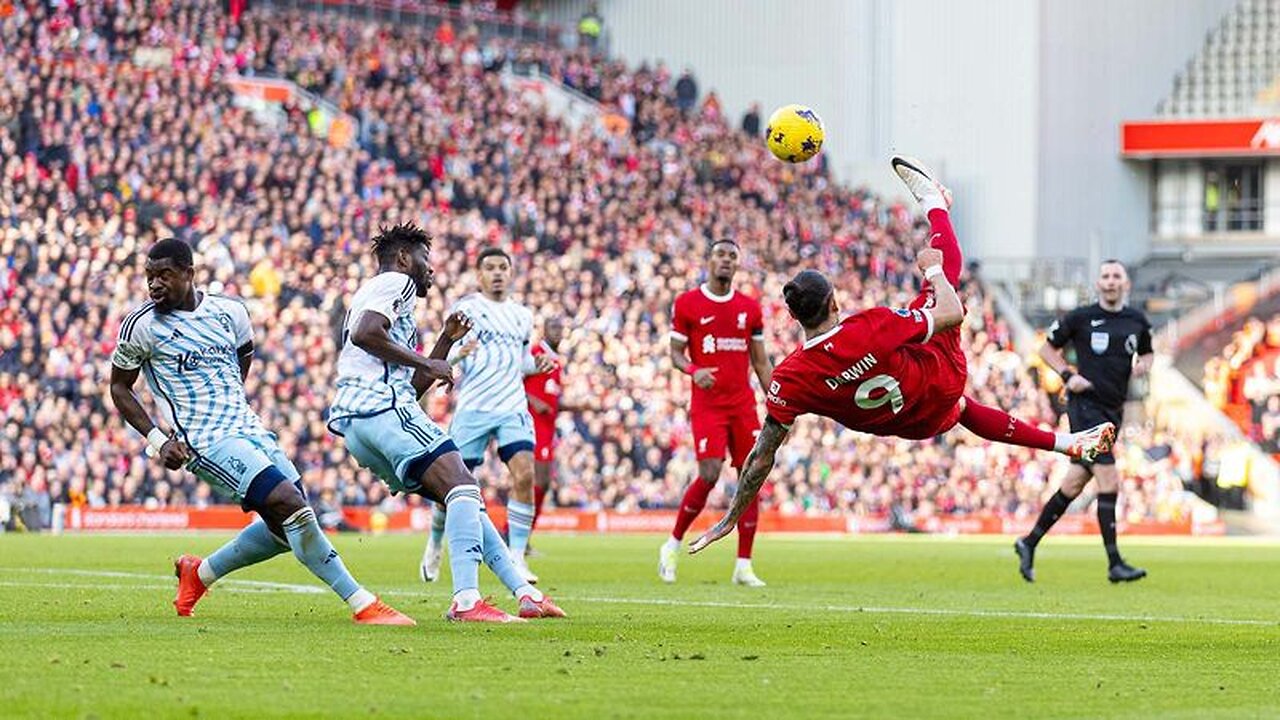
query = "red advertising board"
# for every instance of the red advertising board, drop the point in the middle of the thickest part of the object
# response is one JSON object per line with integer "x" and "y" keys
{"x": 138, "y": 519}
{"x": 1200, "y": 138}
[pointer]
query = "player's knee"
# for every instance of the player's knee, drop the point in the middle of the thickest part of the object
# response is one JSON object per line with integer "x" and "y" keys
{"x": 273, "y": 497}
{"x": 709, "y": 470}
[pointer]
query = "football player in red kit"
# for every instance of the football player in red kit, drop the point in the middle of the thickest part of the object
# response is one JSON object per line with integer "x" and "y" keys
{"x": 544, "y": 391}
{"x": 723, "y": 333}
{"x": 888, "y": 371}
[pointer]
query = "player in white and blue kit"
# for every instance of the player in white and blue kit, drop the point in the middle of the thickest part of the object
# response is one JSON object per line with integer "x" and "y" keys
{"x": 195, "y": 349}
{"x": 492, "y": 403}
{"x": 381, "y": 375}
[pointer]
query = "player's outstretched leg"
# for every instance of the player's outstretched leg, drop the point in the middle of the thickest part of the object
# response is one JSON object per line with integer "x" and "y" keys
{"x": 999, "y": 426}
{"x": 253, "y": 545}
{"x": 429, "y": 569}
{"x": 280, "y": 502}
{"x": 695, "y": 498}
{"x": 533, "y": 603}
{"x": 743, "y": 574}
{"x": 935, "y": 198}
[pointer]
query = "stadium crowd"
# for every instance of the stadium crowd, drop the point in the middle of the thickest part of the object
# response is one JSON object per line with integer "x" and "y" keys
{"x": 1246, "y": 375}
{"x": 105, "y": 149}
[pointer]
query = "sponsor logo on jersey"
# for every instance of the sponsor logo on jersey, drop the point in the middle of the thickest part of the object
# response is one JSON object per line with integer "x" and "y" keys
{"x": 706, "y": 320}
{"x": 1096, "y": 323}
{"x": 189, "y": 361}
{"x": 853, "y": 372}
{"x": 712, "y": 344}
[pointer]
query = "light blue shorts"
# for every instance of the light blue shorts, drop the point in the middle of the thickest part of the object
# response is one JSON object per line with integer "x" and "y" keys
{"x": 472, "y": 430}
{"x": 231, "y": 464}
{"x": 390, "y": 442}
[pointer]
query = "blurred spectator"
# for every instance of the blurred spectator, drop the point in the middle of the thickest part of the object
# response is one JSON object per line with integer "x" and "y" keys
{"x": 590, "y": 27}
{"x": 686, "y": 91}
{"x": 751, "y": 121}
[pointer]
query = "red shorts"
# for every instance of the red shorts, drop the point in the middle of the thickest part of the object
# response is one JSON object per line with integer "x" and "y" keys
{"x": 544, "y": 439}
{"x": 715, "y": 431}
{"x": 939, "y": 407}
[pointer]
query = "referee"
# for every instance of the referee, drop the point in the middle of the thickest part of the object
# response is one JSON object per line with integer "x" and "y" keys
{"x": 1105, "y": 336}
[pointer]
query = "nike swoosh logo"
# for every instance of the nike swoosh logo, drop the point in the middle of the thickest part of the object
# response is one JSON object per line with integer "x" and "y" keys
{"x": 1096, "y": 323}
{"x": 705, "y": 320}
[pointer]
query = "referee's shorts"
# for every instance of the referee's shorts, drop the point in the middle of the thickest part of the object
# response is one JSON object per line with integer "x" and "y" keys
{"x": 1084, "y": 413}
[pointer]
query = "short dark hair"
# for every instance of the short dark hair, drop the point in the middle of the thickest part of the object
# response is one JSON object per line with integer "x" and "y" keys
{"x": 492, "y": 252}
{"x": 172, "y": 249}
{"x": 1113, "y": 261}
{"x": 392, "y": 240}
{"x": 808, "y": 297}
{"x": 722, "y": 241}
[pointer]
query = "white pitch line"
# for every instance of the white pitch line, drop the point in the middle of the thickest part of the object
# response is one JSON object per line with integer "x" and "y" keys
{"x": 228, "y": 583}
{"x": 952, "y": 612}
{"x": 234, "y": 585}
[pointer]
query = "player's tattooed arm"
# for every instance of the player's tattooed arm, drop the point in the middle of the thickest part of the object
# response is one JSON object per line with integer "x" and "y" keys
{"x": 754, "y": 472}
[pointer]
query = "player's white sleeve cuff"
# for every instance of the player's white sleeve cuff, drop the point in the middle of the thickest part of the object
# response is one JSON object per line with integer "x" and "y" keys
{"x": 928, "y": 318}
{"x": 679, "y": 336}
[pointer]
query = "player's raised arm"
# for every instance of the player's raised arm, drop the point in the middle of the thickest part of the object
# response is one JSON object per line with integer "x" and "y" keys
{"x": 947, "y": 311}
{"x": 754, "y": 472}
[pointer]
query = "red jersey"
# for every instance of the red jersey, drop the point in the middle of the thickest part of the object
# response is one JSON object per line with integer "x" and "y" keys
{"x": 719, "y": 330}
{"x": 881, "y": 371}
{"x": 544, "y": 386}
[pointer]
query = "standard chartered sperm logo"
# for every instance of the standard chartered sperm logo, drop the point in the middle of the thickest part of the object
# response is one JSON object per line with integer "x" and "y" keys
{"x": 709, "y": 344}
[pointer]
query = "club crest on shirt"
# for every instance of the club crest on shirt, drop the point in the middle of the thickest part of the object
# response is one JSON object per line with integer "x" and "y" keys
{"x": 1099, "y": 341}
{"x": 742, "y": 321}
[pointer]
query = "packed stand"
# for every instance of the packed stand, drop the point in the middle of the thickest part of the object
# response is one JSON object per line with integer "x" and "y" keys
{"x": 103, "y": 156}
{"x": 1244, "y": 380}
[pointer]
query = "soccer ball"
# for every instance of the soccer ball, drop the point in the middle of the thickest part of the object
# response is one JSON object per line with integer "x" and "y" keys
{"x": 794, "y": 133}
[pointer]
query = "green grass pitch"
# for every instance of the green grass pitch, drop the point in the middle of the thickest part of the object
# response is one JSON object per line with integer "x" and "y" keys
{"x": 868, "y": 627}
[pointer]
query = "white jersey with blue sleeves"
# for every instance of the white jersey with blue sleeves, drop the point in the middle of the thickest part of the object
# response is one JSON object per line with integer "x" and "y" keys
{"x": 493, "y": 374}
{"x": 192, "y": 366}
{"x": 366, "y": 385}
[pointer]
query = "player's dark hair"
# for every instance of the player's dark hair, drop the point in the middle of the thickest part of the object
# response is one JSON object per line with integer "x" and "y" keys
{"x": 172, "y": 249}
{"x": 808, "y": 297}
{"x": 392, "y": 240}
{"x": 711, "y": 247}
{"x": 1113, "y": 261}
{"x": 492, "y": 252}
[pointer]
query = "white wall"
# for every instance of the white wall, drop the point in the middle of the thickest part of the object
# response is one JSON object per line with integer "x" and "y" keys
{"x": 1103, "y": 62}
{"x": 964, "y": 98}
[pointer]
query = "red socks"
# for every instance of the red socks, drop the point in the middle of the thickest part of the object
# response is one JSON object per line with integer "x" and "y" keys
{"x": 999, "y": 426}
{"x": 944, "y": 239}
{"x": 695, "y": 498}
{"x": 539, "y": 494}
{"x": 747, "y": 529}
